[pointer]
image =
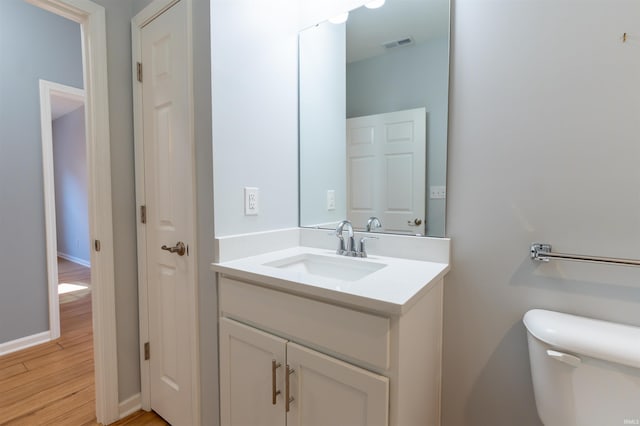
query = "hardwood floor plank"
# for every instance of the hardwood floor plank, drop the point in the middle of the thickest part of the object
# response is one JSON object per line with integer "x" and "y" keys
{"x": 27, "y": 354}
{"x": 53, "y": 383}
{"x": 80, "y": 338}
{"x": 59, "y": 358}
{"x": 48, "y": 414}
{"x": 45, "y": 397}
{"x": 24, "y": 385}
{"x": 141, "y": 418}
{"x": 12, "y": 370}
{"x": 78, "y": 416}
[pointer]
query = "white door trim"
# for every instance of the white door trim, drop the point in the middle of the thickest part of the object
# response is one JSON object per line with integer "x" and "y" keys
{"x": 91, "y": 17}
{"x": 156, "y": 8}
{"x": 47, "y": 89}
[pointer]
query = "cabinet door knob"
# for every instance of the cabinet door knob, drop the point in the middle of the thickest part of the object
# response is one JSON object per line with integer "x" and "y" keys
{"x": 288, "y": 399}
{"x": 274, "y": 392}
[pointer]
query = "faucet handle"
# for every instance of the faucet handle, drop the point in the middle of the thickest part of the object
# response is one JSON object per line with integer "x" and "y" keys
{"x": 362, "y": 252}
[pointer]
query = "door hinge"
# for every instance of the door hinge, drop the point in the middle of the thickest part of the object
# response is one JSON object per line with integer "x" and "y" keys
{"x": 96, "y": 245}
{"x": 147, "y": 351}
{"x": 139, "y": 71}
{"x": 143, "y": 214}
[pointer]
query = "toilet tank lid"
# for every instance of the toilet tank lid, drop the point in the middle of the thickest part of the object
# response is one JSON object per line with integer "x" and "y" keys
{"x": 604, "y": 340}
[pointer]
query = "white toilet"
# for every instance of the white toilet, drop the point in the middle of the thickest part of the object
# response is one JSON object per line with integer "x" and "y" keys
{"x": 585, "y": 372}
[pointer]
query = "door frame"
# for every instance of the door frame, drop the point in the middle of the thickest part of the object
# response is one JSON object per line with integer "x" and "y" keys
{"x": 91, "y": 18}
{"x": 48, "y": 89}
{"x": 144, "y": 17}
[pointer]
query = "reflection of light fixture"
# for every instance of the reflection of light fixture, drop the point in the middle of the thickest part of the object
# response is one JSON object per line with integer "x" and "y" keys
{"x": 374, "y": 4}
{"x": 340, "y": 19}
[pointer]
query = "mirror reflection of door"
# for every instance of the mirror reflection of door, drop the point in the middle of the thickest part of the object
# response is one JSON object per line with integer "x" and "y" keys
{"x": 393, "y": 58}
{"x": 386, "y": 164}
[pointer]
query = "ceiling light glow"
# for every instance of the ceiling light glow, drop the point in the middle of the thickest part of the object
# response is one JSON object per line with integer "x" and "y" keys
{"x": 340, "y": 19}
{"x": 374, "y": 4}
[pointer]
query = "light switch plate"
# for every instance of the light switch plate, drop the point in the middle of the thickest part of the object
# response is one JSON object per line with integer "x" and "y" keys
{"x": 251, "y": 205}
{"x": 437, "y": 192}
{"x": 331, "y": 199}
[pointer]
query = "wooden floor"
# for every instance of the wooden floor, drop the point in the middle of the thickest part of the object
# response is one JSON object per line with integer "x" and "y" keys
{"x": 53, "y": 383}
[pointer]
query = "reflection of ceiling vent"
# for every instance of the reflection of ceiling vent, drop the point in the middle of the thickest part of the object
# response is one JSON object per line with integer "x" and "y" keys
{"x": 401, "y": 42}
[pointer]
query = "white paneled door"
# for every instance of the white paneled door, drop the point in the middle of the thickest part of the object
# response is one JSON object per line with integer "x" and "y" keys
{"x": 169, "y": 197}
{"x": 386, "y": 170}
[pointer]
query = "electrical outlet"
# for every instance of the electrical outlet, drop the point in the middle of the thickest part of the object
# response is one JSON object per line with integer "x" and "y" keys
{"x": 331, "y": 199}
{"x": 251, "y": 205}
{"x": 437, "y": 192}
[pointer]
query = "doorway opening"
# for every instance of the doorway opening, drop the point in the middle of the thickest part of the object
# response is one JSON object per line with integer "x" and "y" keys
{"x": 92, "y": 20}
{"x": 70, "y": 198}
{"x": 66, "y": 189}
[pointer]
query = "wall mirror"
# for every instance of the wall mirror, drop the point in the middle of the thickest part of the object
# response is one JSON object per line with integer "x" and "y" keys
{"x": 373, "y": 118}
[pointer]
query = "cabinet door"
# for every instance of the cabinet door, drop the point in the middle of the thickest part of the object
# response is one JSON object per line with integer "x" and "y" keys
{"x": 327, "y": 391}
{"x": 246, "y": 376}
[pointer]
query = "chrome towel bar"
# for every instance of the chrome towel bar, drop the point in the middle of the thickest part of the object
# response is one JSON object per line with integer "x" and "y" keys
{"x": 543, "y": 253}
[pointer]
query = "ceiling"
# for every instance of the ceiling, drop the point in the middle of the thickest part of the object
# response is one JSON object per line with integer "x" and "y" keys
{"x": 369, "y": 29}
{"x": 61, "y": 106}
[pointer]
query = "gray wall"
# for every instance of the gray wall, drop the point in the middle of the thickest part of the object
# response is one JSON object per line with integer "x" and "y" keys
{"x": 29, "y": 51}
{"x": 543, "y": 147}
{"x": 118, "y": 17}
{"x": 35, "y": 48}
{"x": 71, "y": 186}
{"x": 208, "y": 300}
{"x": 410, "y": 77}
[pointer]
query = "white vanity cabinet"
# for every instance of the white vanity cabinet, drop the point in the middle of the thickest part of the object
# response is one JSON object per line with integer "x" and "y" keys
{"x": 259, "y": 370}
{"x": 348, "y": 365}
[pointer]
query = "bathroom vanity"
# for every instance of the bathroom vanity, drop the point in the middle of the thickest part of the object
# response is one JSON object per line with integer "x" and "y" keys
{"x": 308, "y": 337}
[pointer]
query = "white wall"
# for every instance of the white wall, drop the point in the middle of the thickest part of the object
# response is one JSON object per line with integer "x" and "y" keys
{"x": 323, "y": 157}
{"x": 255, "y": 104}
{"x": 71, "y": 186}
{"x": 543, "y": 147}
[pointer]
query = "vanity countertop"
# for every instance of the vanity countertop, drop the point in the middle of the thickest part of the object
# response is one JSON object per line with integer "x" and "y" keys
{"x": 392, "y": 289}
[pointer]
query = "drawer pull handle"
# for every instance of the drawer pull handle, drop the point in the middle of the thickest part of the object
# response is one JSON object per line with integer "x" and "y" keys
{"x": 274, "y": 392}
{"x": 288, "y": 399}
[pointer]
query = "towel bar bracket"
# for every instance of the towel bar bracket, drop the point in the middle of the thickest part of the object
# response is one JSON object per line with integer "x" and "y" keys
{"x": 537, "y": 248}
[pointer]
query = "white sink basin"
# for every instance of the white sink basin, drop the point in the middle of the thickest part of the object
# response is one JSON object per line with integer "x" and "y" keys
{"x": 345, "y": 269}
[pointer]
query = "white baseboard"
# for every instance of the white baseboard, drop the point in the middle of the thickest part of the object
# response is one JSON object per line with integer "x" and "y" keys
{"x": 74, "y": 259}
{"x": 24, "y": 342}
{"x": 130, "y": 405}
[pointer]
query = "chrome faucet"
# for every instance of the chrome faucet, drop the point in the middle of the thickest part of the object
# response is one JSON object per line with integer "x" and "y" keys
{"x": 350, "y": 248}
{"x": 351, "y": 244}
{"x": 373, "y": 223}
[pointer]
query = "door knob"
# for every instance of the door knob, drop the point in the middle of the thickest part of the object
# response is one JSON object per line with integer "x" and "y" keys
{"x": 179, "y": 248}
{"x": 414, "y": 222}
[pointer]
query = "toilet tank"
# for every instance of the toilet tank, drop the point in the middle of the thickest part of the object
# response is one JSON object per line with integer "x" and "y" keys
{"x": 585, "y": 372}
